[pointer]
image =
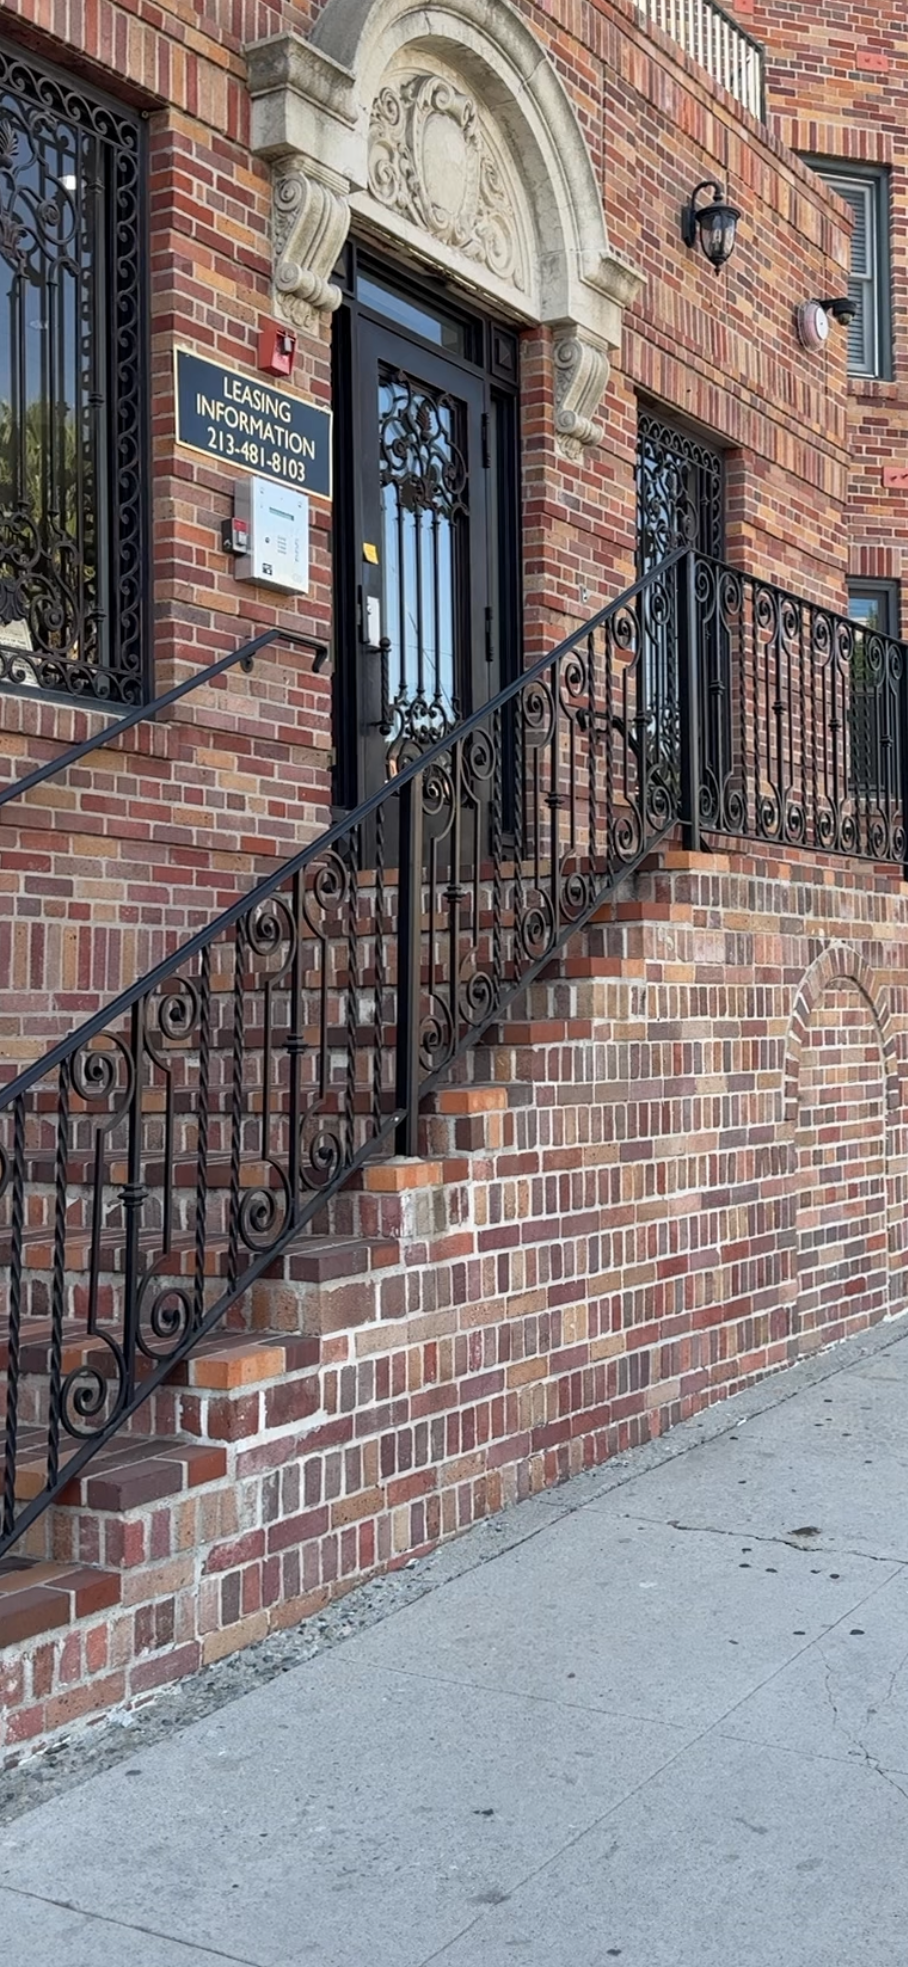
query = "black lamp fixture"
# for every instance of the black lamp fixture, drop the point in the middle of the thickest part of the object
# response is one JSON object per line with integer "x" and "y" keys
{"x": 717, "y": 224}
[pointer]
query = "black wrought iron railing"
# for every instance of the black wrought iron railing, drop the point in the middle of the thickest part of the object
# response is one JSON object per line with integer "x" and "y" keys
{"x": 162, "y": 1158}
{"x": 165, "y": 1156}
{"x": 803, "y": 720}
{"x": 242, "y": 657}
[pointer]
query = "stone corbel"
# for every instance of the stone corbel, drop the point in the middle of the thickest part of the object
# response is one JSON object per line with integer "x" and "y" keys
{"x": 304, "y": 118}
{"x": 581, "y": 366}
{"x": 311, "y": 220}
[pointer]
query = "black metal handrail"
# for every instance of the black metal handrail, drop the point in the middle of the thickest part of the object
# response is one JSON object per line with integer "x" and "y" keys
{"x": 244, "y": 656}
{"x": 165, "y": 1155}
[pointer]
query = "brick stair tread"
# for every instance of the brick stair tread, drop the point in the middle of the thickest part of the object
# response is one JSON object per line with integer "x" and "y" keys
{"x": 38, "y": 1596}
{"x": 184, "y": 1166}
{"x": 223, "y": 1358}
{"x": 129, "y": 1472}
{"x": 37, "y": 1252}
{"x": 309, "y": 1259}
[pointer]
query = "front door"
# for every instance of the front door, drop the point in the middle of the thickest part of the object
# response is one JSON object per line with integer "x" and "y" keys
{"x": 427, "y": 561}
{"x": 425, "y": 574}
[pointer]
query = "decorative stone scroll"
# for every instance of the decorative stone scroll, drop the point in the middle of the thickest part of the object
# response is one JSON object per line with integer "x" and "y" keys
{"x": 581, "y": 373}
{"x": 311, "y": 216}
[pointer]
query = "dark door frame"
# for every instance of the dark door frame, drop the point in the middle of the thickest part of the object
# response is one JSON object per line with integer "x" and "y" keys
{"x": 485, "y": 358}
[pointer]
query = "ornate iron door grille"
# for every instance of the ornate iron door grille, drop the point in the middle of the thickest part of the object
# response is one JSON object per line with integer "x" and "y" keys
{"x": 680, "y": 493}
{"x": 72, "y": 388}
{"x": 424, "y": 505}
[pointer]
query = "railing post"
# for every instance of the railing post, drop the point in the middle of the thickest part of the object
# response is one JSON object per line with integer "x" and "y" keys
{"x": 133, "y": 1195}
{"x": 903, "y": 751}
{"x": 689, "y": 700}
{"x": 409, "y": 965}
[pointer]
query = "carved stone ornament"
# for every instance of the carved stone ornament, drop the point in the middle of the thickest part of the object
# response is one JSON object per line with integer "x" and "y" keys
{"x": 444, "y": 126}
{"x": 430, "y": 161}
{"x": 581, "y": 372}
{"x": 311, "y": 218}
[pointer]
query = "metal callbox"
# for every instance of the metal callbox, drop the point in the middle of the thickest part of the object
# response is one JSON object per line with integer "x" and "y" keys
{"x": 276, "y": 518}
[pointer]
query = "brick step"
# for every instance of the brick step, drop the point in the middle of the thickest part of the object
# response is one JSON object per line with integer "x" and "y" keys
{"x": 127, "y": 1473}
{"x": 185, "y": 1100}
{"x": 313, "y": 1258}
{"x": 453, "y": 1103}
{"x": 183, "y": 1169}
{"x": 38, "y": 1597}
{"x": 289, "y": 1295}
{"x": 38, "y": 1254}
{"x": 383, "y": 1197}
{"x": 224, "y": 1358}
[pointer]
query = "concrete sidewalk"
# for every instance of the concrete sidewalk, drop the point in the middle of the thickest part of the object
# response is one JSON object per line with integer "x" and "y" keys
{"x": 659, "y": 1716}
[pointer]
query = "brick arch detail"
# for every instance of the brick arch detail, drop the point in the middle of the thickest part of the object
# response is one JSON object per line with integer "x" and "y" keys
{"x": 836, "y": 962}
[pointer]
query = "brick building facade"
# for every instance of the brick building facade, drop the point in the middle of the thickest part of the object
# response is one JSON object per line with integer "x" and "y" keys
{"x": 679, "y": 1161}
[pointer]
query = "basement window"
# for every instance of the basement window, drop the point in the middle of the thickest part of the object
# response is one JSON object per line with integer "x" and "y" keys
{"x": 875, "y": 604}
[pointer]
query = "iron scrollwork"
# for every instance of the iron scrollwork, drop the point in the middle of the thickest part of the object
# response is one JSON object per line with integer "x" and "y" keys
{"x": 424, "y": 493}
{"x": 177, "y": 1145}
{"x": 813, "y": 753}
{"x": 72, "y": 511}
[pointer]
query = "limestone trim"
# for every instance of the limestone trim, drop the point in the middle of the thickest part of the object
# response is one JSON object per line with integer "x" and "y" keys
{"x": 836, "y": 963}
{"x": 446, "y": 127}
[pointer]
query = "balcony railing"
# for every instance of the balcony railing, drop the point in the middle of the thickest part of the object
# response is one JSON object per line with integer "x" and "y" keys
{"x": 706, "y": 32}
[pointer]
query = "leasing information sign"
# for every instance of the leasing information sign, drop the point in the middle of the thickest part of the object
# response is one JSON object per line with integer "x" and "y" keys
{"x": 246, "y": 421}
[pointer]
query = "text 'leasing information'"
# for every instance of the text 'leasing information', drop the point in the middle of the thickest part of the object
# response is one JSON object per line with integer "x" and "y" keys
{"x": 247, "y": 422}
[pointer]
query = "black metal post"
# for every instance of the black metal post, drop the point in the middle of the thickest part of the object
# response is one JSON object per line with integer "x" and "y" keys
{"x": 903, "y": 750}
{"x": 689, "y": 699}
{"x": 133, "y": 1195}
{"x": 409, "y": 965}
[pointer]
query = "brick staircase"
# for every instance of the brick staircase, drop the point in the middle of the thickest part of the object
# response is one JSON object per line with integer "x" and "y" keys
{"x": 333, "y": 1232}
{"x": 268, "y": 1471}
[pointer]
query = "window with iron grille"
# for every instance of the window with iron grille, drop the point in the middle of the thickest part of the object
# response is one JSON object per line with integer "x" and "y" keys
{"x": 680, "y": 491}
{"x": 72, "y": 388}
{"x": 866, "y": 190}
{"x": 681, "y": 503}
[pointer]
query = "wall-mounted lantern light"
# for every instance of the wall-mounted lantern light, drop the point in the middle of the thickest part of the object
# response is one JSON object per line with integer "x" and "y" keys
{"x": 716, "y": 223}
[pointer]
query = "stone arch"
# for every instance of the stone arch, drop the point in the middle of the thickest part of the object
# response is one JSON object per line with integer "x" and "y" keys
{"x": 485, "y": 173}
{"x": 841, "y": 1088}
{"x": 836, "y": 961}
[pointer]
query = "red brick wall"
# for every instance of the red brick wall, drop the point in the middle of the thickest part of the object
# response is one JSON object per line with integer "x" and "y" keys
{"x": 108, "y": 868}
{"x": 842, "y": 1242}
{"x": 837, "y": 86}
{"x": 681, "y": 1166}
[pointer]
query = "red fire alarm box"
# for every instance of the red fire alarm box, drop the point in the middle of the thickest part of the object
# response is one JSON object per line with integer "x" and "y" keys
{"x": 277, "y": 348}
